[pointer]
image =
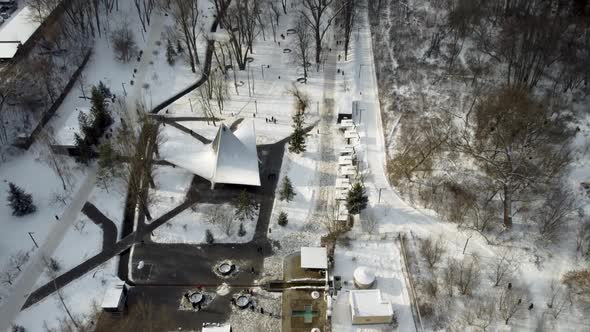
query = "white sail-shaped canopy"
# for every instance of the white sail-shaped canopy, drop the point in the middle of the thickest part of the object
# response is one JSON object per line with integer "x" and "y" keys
{"x": 231, "y": 157}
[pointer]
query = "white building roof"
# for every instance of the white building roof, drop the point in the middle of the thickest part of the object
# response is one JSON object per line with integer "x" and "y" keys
{"x": 368, "y": 303}
{"x": 211, "y": 328}
{"x": 17, "y": 30}
{"x": 113, "y": 296}
{"x": 230, "y": 158}
{"x": 314, "y": 258}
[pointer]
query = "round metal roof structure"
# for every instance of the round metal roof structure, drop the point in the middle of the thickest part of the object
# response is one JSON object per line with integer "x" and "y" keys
{"x": 363, "y": 277}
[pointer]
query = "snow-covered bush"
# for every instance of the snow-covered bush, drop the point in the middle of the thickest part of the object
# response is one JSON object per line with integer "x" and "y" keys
{"x": 432, "y": 250}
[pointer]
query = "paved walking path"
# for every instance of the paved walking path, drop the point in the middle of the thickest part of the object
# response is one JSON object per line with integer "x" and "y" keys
{"x": 109, "y": 229}
{"x": 102, "y": 257}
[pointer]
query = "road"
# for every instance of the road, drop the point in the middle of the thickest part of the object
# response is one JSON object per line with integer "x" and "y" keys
{"x": 375, "y": 155}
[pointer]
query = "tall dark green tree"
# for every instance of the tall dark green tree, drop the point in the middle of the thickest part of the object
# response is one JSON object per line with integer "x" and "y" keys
{"x": 20, "y": 202}
{"x": 209, "y": 237}
{"x": 85, "y": 153}
{"x": 99, "y": 110}
{"x": 170, "y": 53}
{"x": 286, "y": 192}
{"x": 297, "y": 140}
{"x": 108, "y": 165}
{"x": 356, "y": 200}
{"x": 245, "y": 206}
{"x": 283, "y": 219}
{"x": 104, "y": 90}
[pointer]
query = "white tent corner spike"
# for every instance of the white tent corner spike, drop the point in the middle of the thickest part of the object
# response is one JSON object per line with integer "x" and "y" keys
{"x": 231, "y": 158}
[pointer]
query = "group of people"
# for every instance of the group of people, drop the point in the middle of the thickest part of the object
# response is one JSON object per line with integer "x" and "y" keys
{"x": 271, "y": 120}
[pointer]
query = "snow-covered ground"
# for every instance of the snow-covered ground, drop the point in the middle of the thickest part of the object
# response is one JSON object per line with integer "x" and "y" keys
{"x": 28, "y": 171}
{"x": 190, "y": 226}
{"x": 381, "y": 255}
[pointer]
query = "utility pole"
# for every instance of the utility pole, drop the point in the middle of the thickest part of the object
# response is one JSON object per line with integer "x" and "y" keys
{"x": 248, "y": 75}
{"x": 255, "y": 107}
{"x": 32, "y": 238}
{"x": 379, "y": 201}
{"x": 124, "y": 91}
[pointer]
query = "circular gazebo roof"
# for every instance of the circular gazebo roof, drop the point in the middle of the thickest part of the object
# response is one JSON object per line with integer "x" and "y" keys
{"x": 363, "y": 277}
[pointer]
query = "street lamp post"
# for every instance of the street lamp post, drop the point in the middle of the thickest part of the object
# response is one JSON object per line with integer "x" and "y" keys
{"x": 32, "y": 238}
{"x": 379, "y": 201}
{"x": 262, "y": 69}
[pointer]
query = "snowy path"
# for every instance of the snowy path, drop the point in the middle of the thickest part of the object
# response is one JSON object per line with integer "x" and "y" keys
{"x": 397, "y": 214}
{"x": 36, "y": 265}
{"x": 325, "y": 173}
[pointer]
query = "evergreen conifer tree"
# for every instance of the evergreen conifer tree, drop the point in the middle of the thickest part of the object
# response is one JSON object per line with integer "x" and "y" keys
{"x": 356, "y": 200}
{"x": 283, "y": 220}
{"x": 85, "y": 152}
{"x": 297, "y": 140}
{"x": 209, "y": 237}
{"x": 244, "y": 206}
{"x": 104, "y": 90}
{"x": 101, "y": 116}
{"x": 241, "y": 230}
{"x": 20, "y": 202}
{"x": 287, "y": 192}
{"x": 170, "y": 53}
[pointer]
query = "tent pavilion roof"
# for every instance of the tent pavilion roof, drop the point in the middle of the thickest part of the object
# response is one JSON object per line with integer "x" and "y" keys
{"x": 231, "y": 158}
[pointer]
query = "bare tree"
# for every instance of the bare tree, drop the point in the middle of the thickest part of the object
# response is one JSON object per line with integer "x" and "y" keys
{"x": 558, "y": 300}
{"x": 186, "y": 16}
{"x": 144, "y": 11}
{"x": 432, "y": 250}
{"x": 219, "y": 86}
{"x": 480, "y": 312}
{"x": 557, "y": 208}
{"x": 469, "y": 274}
{"x": 220, "y": 216}
{"x": 504, "y": 265}
{"x": 319, "y": 17}
{"x": 135, "y": 143}
{"x": 242, "y": 26}
{"x": 510, "y": 302}
{"x": 124, "y": 43}
{"x": 421, "y": 140}
{"x": 450, "y": 275}
{"x": 58, "y": 163}
{"x": 302, "y": 46}
{"x": 347, "y": 18}
{"x": 18, "y": 259}
{"x": 535, "y": 153}
{"x": 301, "y": 98}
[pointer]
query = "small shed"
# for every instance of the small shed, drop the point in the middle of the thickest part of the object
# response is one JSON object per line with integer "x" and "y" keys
{"x": 363, "y": 277}
{"x": 315, "y": 258}
{"x": 367, "y": 307}
{"x": 345, "y": 109}
{"x": 115, "y": 298}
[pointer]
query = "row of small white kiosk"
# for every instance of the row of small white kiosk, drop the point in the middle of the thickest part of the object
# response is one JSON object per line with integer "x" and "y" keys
{"x": 366, "y": 304}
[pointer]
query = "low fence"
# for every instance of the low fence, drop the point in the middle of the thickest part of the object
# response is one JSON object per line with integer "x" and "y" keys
{"x": 408, "y": 275}
{"x": 25, "y": 142}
